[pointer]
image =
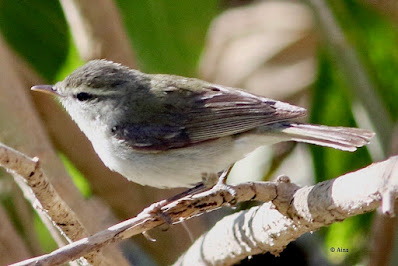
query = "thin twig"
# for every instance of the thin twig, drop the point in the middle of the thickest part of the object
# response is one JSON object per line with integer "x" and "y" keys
{"x": 152, "y": 217}
{"x": 46, "y": 200}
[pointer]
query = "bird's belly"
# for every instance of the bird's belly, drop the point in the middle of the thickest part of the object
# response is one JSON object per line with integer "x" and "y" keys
{"x": 177, "y": 167}
{"x": 181, "y": 167}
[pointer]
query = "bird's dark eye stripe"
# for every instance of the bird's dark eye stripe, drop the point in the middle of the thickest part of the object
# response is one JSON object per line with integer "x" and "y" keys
{"x": 84, "y": 96}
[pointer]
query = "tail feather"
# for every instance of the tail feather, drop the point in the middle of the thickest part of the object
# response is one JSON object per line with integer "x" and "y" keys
{"x": 342, "y": 138}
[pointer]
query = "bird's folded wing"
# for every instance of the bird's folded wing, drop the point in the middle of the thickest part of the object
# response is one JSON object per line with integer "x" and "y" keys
{"x": 212, "y": 113}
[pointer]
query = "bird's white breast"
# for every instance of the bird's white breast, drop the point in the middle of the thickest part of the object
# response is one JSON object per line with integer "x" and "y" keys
{"x": 182, "y": 167}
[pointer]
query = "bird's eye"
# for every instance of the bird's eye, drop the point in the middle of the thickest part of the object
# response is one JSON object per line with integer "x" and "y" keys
{"x": 83, "y": 96}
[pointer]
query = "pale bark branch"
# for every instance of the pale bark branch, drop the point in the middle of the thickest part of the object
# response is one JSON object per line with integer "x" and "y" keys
{"x": 269, "y": 228}
{"x": 156, "y": 215}
{"x": 295, "y": 211}
{"x": 55, "y": 232}
{"x": 46, "y": 200}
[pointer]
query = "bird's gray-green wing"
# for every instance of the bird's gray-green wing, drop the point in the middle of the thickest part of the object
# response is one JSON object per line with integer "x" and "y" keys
{"x": 226, "y": 112}
{"x": 201, "y": 115}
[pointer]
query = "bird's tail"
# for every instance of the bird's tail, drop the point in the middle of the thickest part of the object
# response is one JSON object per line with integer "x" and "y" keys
{"x": 342, "y": 138}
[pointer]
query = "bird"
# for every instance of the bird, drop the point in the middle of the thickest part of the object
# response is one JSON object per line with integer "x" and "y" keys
{"x": 168, "y": 131}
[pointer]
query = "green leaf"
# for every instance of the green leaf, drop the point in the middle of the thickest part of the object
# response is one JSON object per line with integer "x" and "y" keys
{"x": 37, "y": 30}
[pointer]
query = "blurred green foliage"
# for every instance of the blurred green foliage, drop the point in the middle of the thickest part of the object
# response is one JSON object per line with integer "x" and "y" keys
{"x": 37, "y": 30}
{"x": 331, "y": 105}
{"x": 72, "y": 61}
{"x": 340, "y": 235}
{"x": 47, "y": 242}
{"x": 375, "y": 39}
{"x": 168, "y": 37}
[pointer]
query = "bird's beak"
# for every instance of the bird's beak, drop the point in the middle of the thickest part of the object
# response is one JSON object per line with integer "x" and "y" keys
{"x": 49, "y": 89}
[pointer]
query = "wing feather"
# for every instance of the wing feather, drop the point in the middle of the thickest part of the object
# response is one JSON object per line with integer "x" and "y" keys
{"x": 230, "y": 112}
{"x": 206, "y": 114}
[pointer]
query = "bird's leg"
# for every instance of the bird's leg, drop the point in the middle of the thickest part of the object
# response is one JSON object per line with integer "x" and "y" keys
{"x": 156, "y": 207}
{"x": 209, "y": 181}
{"x": 200, "y": 187}
{"x": 222, "y": 179}
{"x": 222, "y": 183}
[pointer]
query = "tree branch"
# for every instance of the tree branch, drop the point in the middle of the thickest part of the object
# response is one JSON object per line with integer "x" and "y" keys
{"x": 268, "y": 228}
{"x": 295, "y": 211}
{"x": 157, "y": 214}
{"x": 46, "y": 199}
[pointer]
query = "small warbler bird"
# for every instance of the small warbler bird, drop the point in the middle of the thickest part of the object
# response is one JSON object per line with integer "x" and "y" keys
{"x": 166, "y": 131}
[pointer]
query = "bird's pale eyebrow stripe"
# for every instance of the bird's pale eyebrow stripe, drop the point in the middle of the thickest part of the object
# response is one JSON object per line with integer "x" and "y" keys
{"x": 99, "y": 92}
